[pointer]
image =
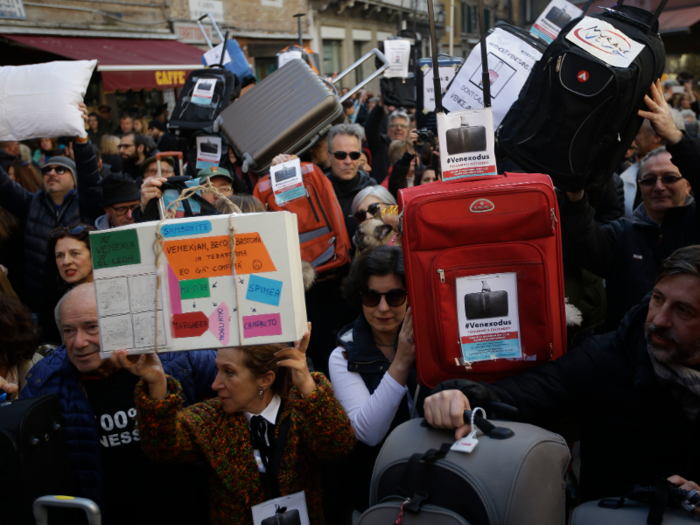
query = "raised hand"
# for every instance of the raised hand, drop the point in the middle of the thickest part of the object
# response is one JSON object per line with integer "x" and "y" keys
{"x": 659, "y": 115}
{"x": 295, "y": 358}
{"x": 148, "y": 367}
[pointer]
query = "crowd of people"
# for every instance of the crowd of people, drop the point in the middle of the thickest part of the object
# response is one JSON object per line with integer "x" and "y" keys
{"x": 266, "y": 421}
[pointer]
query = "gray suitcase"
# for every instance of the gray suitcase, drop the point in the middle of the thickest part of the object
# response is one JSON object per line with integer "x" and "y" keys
{"x": 288, "y": 112}
{"x": 519, "y": 480}
{"x": 632, "y": 513}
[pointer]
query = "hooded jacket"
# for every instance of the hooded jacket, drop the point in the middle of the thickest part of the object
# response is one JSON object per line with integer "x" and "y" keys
{"x": 346, "y": 193}
{"x": 55, "y": 374}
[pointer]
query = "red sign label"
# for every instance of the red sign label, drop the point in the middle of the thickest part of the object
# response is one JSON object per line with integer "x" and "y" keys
{"x": 191, "y": 324}
{"x": 583, "y": 76}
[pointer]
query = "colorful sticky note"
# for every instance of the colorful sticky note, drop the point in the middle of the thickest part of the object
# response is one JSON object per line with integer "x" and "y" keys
{"x": 194, "y": 288}
{"x": 114, "y": 248}
{"x": 199, "y": 257}
{"x": 186, "y": 228}
{"x": 190, "y": 324}
{"x": 261, "y": 325}
{"x": 174, "y": 292}
{"x": 252, "y": 255}
{"x": 264, "y": 290}
{"x": 219, "y": 323}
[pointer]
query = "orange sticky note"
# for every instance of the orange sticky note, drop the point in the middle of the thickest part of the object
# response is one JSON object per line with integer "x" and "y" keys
{"x": 252, "y": 255}
{"x": 196, "y": 258}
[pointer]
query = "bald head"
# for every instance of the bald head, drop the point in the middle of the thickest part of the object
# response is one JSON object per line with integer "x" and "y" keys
{"x": 83, "y": 293}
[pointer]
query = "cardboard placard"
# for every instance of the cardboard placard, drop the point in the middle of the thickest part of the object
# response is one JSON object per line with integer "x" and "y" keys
{"x": 208, "y": 152}
{"x": 287, "y": 181}
{"x": 447, "y": 73}
{"x": 466, "y": 143}
{"x": 553, "y": 19}
{"x": 398, "y": 52}
{"x": 510, "y": 61}
{"x": 605, "y": 42}
{"x": 487, "y": 315}
{"x": 202, "y": 302}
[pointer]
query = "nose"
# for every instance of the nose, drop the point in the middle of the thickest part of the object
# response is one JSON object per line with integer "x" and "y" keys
{"x": 663, "y": 317}
{"x": 128, "y": 214}
{"x": 217, "y": 384}
{"x": 383, "y": 306}
{"x": 80, "y": 340}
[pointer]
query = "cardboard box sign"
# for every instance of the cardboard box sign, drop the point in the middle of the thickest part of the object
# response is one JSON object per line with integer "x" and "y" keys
{"x": 202, "y": 303}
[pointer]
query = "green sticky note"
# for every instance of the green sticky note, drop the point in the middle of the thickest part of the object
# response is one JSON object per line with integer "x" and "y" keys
{"x": 113, "y": 248}
{"x": 194, "y": 288}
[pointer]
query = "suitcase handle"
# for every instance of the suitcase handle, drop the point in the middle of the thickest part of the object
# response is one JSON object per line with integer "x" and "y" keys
{"x": 41, "y": 508}
{"x": 199, "y": 23}
{"x": 485, "y": 287}
{"x": 373, "y": 53}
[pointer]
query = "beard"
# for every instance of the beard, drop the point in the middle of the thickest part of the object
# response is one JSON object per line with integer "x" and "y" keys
{"x": 677, "y": 353}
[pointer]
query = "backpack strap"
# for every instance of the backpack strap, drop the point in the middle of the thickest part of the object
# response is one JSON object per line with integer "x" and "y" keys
{"x": 272, "y": 489}
{"x": 410, "y": 477}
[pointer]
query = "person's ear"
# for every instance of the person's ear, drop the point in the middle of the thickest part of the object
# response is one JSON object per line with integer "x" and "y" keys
{"x": 141, "y": 148}
{"x": 267, "y": 379}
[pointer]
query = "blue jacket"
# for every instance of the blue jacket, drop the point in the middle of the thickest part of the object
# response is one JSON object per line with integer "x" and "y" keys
{"x": 55, "y": 374}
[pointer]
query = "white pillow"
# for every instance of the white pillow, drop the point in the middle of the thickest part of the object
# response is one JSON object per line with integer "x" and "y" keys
{"x": 42, "y": 100}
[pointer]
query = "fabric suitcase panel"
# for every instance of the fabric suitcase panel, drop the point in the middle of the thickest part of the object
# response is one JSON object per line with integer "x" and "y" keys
{"x": 280, "y": 114}
{"x": 466, "y": 139}
{"x": 632, "y": 513}
{"x": 387, "y": 513}
{"x": 486, "y": 304}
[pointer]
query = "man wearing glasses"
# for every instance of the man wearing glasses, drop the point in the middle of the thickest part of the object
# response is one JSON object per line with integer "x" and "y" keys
{"x": 397, "y": 129}
{"x": 627, "y": 252}
{"x": 132, "y": 150}
{"x": 120, "y": 197}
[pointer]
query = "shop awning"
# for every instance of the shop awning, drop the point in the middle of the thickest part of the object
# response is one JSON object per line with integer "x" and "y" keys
{"x": 125, "y": 63}
{"x": 679, "y": 20}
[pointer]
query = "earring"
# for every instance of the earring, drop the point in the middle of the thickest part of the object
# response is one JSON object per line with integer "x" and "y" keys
{"x": 261, "y": 392}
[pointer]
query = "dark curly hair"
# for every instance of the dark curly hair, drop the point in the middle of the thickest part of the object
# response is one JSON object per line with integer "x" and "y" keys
{"x": 380, "y": 261}
{"x": 59, "y": 233}
{"x": 18, "y": 339}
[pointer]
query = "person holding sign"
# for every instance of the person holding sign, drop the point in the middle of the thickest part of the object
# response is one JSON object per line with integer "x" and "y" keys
{"x": 262, "y": 437}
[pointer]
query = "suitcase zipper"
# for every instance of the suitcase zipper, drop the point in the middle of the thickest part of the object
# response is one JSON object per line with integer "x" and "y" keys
{"x": 553, "y": 217}
{"x": 559, "y": 59}
{"x": 441, "y": 273}
{"x": 312, "y": 205}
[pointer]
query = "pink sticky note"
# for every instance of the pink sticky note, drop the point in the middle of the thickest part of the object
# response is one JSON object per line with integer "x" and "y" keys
{"x": 219, "y": 323}
{"x": 174, "y": 285}
{"x": 261, "y": 325}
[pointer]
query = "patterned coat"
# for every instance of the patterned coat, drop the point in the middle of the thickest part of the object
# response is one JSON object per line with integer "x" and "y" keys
{"x": 319, "y": 429}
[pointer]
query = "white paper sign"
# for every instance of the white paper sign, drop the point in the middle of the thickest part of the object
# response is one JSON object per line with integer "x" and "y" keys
{"x": 203, "y": 92}
{"x": 553, "y": 19}
{"x": 213, "y": 56}
{"x": 447, "y": 73}
{"x": 287, "y": 182}
{"x": 208, "y": 152}
{"x": 398, "y": 53}
{"x": 605, "y": 42}
{"x": 487, "y": 313}
{"x": 285, "y": 57}
{"x": 294, "y": 506}
{"x": 510, "y": 61}
{"x": 466, "y": 144}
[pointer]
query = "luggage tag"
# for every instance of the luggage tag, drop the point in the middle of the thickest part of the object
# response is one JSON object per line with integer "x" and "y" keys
{"x": 286, "y": 510}
{"x": 203, "y": 92}
{"x": 287, "y": 181}
{"x": 469, "y": 442}
{"x": 208, "y": 152}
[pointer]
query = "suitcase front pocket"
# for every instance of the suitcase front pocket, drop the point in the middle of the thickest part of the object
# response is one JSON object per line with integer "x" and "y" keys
{"x": 487, "y": 306}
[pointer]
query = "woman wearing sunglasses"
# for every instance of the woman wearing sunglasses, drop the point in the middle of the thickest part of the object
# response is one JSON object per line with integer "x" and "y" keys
{"x": 369, "y": 201}
{"x": 70, "y": 247}
{"x": 372, "y": 370}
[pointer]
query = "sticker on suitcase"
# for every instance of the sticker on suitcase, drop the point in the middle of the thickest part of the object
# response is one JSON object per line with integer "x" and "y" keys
{"x": 605, "y": 42}
{"x": 208, "y": 152}
{"x": 469, "y": 144}
{"x": 553, "y": 19}
{"x": 487, "y": 312}
{"x": 203, "y": 92}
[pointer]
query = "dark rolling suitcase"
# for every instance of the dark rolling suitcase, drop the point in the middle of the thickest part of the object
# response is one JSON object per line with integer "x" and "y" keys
{"x": 33, "y": 456}
{"x": 286, "y": 113}
{"x": 486, "y": 303}
{"x": 466, "y": 138}
{"x": 558, "y": 17}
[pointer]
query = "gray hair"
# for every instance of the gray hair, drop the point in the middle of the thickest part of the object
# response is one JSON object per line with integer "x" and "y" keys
{"x": 398, "y": 113}
{"x": 683, "y": 261}
{"x": 373, "y": 100}
{"x": 354, "y": 130}
{"x": 653, "y": 153}
{"x": 81, "y": 288}
{"x": 688, "y": 113}
{"x": 377, "y": 191}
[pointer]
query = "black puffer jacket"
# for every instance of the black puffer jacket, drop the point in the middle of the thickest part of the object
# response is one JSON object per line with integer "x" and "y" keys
{"x": 628, "y": 252}
{"x": 632, "y": 429}
{"x": 346, "y": 192}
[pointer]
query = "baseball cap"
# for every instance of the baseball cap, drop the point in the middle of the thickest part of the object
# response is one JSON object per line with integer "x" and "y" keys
{"x": 214, "y": 172}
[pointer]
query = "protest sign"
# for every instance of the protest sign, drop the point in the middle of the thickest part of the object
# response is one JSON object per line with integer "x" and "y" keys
{"x": 487, "y": 313}
{"x": 203, "y": 92}
{"x": 553, "y": 19}
{"x": 202, "y": 303}
{"x": 208, "y": 152}
{"x": 468, "y": 141}
{"x": 509, "y": 61}
{"x": 447, "y": 73}
{"x": 398, "y": 52}
{"x": 287, "y": 181}
{"x": 605, "y": 42}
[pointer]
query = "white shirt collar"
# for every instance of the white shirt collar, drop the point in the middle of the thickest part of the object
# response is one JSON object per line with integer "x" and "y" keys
{"x": 270, "y": 412}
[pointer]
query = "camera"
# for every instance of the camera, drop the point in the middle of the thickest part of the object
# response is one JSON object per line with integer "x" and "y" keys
{"x": 425, "y": 135}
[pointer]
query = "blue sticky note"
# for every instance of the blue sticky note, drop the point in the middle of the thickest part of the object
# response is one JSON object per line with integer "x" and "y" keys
{"x": 264, "y": 290}
{"x": 179, "y": 229}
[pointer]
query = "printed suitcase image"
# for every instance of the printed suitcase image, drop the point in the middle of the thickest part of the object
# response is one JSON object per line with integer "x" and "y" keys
{"x": 558, "y": 17}
{"x": 285, "y": 174}
{"x": 283, "y": 517}
{"x": 486, "y": 303}
{"x": 465, "y": 138}
{"x": 209, "y": 147}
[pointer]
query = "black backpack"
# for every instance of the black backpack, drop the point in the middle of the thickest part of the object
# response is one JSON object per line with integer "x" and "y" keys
{"x": 576, "y": 115}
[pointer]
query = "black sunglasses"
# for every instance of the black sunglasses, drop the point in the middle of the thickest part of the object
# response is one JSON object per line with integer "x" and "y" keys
{"x": 395, "y": 297}
{"x": 372, "y": 209}
{"x": 60, "y": 170}
{"x": 666, "y": 179}
{"x": 342, "y": 155}
{"x": 75, "y": 230}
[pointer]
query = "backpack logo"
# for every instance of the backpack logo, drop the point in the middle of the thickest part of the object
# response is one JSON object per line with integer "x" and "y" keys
{"x": 481, "y": 206}
{"x": 583, "y": 76}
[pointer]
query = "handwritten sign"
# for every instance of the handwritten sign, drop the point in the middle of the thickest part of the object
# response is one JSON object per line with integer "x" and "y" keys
{"x": 200, "y": 257}
{"x": 194, "y": 288}
{"x": 262, "y": 325}
{"x": 174, "y": 287}
{"x": 115, "y": 248}
{"x": 186, "y": 228}
{"x": 191, "y": 324}
{"x": 219, "y": 323}
{"x": 252, "y": 255}
{"x": 264, "y": 290}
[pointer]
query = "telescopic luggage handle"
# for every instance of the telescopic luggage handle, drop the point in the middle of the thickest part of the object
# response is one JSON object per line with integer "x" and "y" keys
{"x": 373, "y": 53}
{"x": 41, "y": 508}
{"x": 201, "y": 27}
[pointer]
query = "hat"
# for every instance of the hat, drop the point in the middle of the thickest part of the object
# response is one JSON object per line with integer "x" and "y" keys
{"x": 117, "y": 188}
{"x": 66, "y": 163}
{"x": 155, "y": 123}
{"x": 149, "y": 160}
{"x": 214, "y": 172}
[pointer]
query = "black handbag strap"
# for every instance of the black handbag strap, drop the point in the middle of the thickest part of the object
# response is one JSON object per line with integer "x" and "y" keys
{"x": 272, "y": 489}
{"x": 410, "y": 477}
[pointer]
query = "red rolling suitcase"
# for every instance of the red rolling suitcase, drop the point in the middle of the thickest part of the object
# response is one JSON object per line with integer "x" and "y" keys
{"x": 497, "y": 225}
